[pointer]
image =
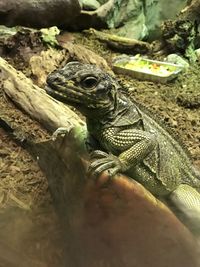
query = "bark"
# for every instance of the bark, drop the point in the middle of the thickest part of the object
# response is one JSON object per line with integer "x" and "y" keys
{"x": 80, "y": 53}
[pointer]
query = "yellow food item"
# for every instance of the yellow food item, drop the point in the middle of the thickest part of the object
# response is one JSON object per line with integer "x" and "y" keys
{"x": 149, "y": 68}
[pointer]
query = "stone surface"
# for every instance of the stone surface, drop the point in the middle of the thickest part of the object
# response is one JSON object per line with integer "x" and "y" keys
{"x": 176, "y": 59}
{"x": 129, "y": 17}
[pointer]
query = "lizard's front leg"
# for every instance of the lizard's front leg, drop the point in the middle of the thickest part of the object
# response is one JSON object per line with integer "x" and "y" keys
{"x": 132, "y": 146}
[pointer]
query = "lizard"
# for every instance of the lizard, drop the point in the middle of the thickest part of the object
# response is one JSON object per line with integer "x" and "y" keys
{"x": 131, "y": 141}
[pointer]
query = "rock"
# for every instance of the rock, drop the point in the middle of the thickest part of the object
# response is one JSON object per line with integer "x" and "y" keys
{"x": 176, "y": 59}
{"x": 129, "y": 18}
{"x": 135, "y": 29}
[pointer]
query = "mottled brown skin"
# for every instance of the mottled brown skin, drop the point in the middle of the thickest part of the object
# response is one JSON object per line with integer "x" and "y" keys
{"x": 130, "y": 140}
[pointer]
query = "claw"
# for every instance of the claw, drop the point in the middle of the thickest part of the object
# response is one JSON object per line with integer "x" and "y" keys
{"x": 113, "y": 171}
{"x": 98, "y": 162}
{"x": 98, "y": 154}
{"x": 104, "y": 162}
{"x": 101, "y": 168}
{"x": 61, "y": 131}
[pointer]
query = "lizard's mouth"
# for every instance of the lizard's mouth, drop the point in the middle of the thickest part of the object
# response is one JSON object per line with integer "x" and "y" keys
{"x": 50, "y": 91}
{"x": 70, "y": 97}
{"x": 55, "y": 93}
{"x": 63, "y": 97}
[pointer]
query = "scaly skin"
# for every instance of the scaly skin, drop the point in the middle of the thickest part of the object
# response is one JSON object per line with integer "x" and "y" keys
{"x": 130, "y": 140}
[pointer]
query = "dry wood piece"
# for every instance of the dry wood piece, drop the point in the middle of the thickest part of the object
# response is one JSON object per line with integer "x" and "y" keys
{"x": 34, "y": 101}
{"x": 44, "y": 63}
{"x": 121, "y": 43}
{"x": 82, "y": 54}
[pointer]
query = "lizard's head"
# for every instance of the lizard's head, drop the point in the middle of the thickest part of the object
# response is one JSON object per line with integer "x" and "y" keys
{"x": 83, "y": 86}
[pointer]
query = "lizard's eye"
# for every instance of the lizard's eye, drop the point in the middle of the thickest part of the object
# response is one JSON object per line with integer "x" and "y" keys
{"x": 89, "y": 82}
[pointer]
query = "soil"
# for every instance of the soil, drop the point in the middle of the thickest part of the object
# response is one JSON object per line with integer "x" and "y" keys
{"x": 24, "y": 194}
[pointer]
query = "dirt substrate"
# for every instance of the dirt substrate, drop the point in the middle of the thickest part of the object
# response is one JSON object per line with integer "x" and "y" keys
{"x": 28, "y": 222}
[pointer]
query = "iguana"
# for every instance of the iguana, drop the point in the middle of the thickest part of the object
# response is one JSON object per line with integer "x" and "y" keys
{"x": 130, "y": 140}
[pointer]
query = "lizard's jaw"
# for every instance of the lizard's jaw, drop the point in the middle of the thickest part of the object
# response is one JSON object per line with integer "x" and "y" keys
{"x": 75, "y": 100}
{"x": 63, "y": 97}
{"x": 87, "y": 104}
{"x": 53, "y": 92}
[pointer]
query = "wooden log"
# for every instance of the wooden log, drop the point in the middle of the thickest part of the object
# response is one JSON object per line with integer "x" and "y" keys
{"x": 34, "y": 100}
{"x": 122, "y": 44}
{"x": 39, "y": 14}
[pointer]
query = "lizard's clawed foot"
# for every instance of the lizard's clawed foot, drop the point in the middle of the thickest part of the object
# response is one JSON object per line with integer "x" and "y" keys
{"x": 61, "y": 131}
{"x": 105, "y": 162}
